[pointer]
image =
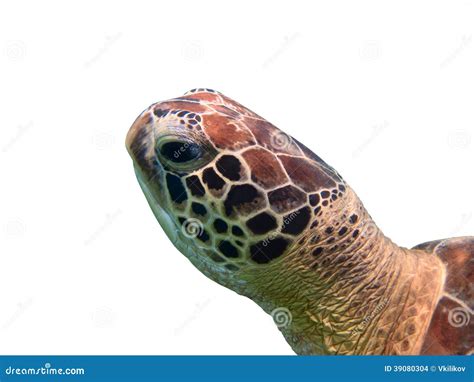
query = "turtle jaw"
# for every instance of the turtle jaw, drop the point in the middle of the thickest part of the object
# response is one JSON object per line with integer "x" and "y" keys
{"x": 164, "y": 219}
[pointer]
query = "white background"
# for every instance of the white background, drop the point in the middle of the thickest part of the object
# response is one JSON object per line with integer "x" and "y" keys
{"x": 383, "y": 91}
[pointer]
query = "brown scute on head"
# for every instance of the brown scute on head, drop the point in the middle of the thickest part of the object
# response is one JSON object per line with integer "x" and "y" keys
{"x": 286, "y": 198}
{"x": 182, "y": 105}
{"x": 265, "y": 169}
{"x": 271, "y": 137}
{"x": 226, "y": 111}
{"x": 203, "y": 95}
{"x": 234, "y": 105}
{"x": 225, "y": 133}
{"x": 306, "y": 175}
{"x": 311, "y": 155}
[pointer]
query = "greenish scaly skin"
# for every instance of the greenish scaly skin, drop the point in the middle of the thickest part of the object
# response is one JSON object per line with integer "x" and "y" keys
{"x": 305, "y": 250}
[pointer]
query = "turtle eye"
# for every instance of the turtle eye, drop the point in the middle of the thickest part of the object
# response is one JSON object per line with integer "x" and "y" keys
{"x": 180, "y": 152}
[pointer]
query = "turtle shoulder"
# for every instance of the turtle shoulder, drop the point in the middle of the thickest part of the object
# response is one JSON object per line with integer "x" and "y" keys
{"x": 451, "y": 329}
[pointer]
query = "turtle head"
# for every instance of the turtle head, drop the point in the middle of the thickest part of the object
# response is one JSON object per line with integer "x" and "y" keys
{"x": 232, "y": 192}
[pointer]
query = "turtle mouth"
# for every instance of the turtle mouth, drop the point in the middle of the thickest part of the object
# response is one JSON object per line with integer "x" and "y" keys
{"x": 164, "y": 218}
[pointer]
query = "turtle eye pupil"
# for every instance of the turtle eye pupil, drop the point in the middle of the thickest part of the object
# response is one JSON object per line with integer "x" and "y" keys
{"x": 180, "y": 152}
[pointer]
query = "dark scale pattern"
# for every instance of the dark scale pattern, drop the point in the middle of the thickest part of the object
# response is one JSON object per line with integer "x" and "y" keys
{"x": 198, "y": 209}
{"x": 314, "y": 199}
{"x": 286, "y": 199}
{"x": 342, "y": 231}
{"x": 353, "y": 219}
{"x": 297, "y": 221}
{"x": 160, "y": 112}
{"x": 237, "y": 231}
{"x": 195, "y": 186}
{"x": 265, "y": 251}
{"x": 262, "y": 223}
{"x": 220, "y": 226}
{"x": 325, "y": 194}
{"x": 243, "y": 198}
{"x": 217, "y": 258}
{"x": 203, "y": 236}
{"x": 227, "y": 249}
{"x": 229, "y": 166}
{"x": 176, "y": 188}
{"x": 317, "y": 251}
{"x": 212, "y": 180}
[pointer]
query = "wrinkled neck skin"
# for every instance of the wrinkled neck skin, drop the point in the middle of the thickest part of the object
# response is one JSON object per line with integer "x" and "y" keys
{"x": 355, "y": 293}
{"x": 356, "y": 296}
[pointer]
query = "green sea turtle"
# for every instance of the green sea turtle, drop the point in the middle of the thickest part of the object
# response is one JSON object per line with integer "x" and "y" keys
{"x": 258, "y": 212}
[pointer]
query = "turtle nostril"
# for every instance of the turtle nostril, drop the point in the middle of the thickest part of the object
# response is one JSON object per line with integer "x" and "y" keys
{"x": 180, "y": 152}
